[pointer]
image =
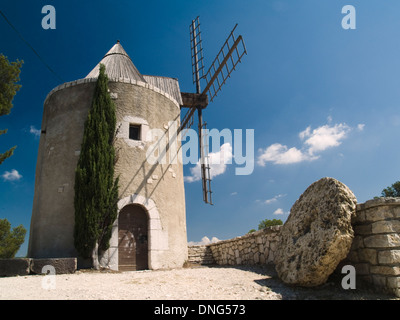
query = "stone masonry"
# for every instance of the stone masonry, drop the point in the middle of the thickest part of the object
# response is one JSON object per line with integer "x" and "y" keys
{"x": 258, "y": 247}
{"x": 200, "y": 255}
{"x": 375, "y": 252}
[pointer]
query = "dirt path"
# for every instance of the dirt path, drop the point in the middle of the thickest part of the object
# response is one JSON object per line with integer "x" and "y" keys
{"x": 201, "y": 283}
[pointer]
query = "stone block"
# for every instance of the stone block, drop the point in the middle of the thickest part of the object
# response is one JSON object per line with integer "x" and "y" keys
{"x": 393, "y": 282}
{"x": 359, "y": 217}
{"x": 61, "y": 265}
{"x": 368, "y": 255}
{"x": 388, "y": 226}
{"x": 14, "y": 267}
{"x": 256, "y": 257}
{"x": 382, "y": 241}
{"x": 385, "y": 270}
{"x": 389, "y": 257}
{"x": 357, "y": 243}
{"x": 271, "y": 257}
{"x": 377, "y": 214}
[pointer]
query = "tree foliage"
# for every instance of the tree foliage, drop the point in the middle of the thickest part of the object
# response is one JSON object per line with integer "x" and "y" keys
{"x": 392, "y": 191}
{"x": 269, "y": 223}
{"x": 10, "y": 241}
{"x": 9, "y": 77}
{"x": 96, "y": 190}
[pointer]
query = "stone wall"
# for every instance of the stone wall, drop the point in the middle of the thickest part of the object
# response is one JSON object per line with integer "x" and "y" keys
{"x": 200, "y": 255}
{"x": 254, "y": 248}
{"x": 375, "y": 252}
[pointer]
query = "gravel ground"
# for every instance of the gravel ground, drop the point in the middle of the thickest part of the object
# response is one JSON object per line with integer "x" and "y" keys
{"x": 196, "y": 283}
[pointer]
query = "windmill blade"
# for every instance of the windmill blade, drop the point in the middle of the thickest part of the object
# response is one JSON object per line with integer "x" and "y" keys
{"x": 204, "y": 160}
{"x": 190, "y": 100}
{"x": 197, "y": 53}
{"x": 225, "y": 62}
{"x": 187, "y": 122}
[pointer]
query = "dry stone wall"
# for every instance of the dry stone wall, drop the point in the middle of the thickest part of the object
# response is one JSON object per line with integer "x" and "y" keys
{"x": 254, "y": 248}
{"x": 200, "y": 255}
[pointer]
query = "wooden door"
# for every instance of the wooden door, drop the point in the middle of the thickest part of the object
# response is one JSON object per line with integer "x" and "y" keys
{"x": 132, "y": 239}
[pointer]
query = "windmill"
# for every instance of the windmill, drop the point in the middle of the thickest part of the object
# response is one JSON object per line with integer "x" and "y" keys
{"x": 220, "y": 70}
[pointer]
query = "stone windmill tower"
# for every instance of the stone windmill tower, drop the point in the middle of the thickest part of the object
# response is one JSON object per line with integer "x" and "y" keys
{"x": 150, "y": 231}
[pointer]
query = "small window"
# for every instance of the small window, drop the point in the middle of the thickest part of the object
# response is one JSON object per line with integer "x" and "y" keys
{"x": 134, "y": 131}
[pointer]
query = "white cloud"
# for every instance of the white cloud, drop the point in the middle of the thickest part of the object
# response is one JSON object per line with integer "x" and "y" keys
{"x": 324, "y": 137}
{"x": 218, "y": 163}
{"x": 280, "y": 154}
{"x": 204, "y": 241}
{"x": 279, "y": 211}
{"x": 34, "y": 131}
{"x": 234, "y": 193}
{"x": 314, "y": 142}
{"x": 360, "y": 126}
{"x": 11, "y": 176}
{"x": 274, "y": 199}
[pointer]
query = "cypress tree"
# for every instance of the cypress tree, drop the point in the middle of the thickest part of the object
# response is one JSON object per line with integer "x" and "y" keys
{"x": 96, "y": 190}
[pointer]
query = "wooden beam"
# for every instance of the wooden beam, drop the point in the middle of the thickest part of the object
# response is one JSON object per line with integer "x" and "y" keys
{"x": 194, "y": 100}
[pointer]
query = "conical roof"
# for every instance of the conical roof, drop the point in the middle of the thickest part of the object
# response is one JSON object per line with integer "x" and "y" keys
{"x": 118, "y": 65}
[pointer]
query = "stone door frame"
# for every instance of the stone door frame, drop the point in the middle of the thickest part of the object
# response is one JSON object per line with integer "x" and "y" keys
{"x": 157, "y": 234}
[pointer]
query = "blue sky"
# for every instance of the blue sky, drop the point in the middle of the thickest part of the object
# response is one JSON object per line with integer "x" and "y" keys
{"x": 322, "y": 100}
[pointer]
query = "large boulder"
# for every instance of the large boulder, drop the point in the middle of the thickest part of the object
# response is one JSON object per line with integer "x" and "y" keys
{"x": 317, "y": 234}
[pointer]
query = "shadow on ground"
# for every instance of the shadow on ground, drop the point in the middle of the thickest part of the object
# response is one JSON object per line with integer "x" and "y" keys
{"x": 331, "y": 290}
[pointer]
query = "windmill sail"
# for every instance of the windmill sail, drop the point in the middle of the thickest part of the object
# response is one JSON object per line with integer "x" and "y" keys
{"x": 204, "y": 160}
{"x": 225, "y": 62}
{"x": 197, "y": 53}
{"x": 220, "y": 70}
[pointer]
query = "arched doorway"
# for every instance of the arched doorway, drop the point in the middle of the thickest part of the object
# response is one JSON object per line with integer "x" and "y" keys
{"x": 132, "y": 238}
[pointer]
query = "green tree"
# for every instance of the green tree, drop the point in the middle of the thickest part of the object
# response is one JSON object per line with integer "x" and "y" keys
{"x": 10, "y": 241}
{"x": 96, "y": 190}
{"x": 9, "y": 76}
{"x": 269, "y": 223}
{"x": 392, "y": 191}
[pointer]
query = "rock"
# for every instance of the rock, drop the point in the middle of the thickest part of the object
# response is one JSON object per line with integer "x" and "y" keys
{"x": 14, "y": 267}
{"x": 61, "y": 265}
{"x": 317, "y": 234}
